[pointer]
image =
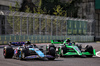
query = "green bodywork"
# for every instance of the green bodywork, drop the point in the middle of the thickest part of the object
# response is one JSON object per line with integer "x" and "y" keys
{"x": 74, "y": 50}
{"x": 56, "y": 41}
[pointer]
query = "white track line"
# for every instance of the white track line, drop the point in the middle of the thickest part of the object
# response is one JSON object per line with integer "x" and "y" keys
{"x": 98, "y": 54}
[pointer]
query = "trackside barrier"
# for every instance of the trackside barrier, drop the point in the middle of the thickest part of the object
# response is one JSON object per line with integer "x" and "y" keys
{"x": 4, "y": 39}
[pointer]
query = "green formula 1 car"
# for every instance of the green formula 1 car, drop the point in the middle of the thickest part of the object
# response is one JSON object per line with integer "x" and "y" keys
{"x": 71, "y": 49}
{"x": 66, "y": 50}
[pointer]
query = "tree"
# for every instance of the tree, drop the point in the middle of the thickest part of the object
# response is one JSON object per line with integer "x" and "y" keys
{"x": 58, "y": 11}
{"x": 10, "y": 17}
{"x": 17, "y": 19}
{"x": 71, "y": 6}
{"x": 28, "y": 3}
{"x": 38, "y": 10}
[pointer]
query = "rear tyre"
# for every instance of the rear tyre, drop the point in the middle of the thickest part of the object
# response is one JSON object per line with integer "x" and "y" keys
{"x": 63, "y": 51}
{"x": 52, "y": 52}
{"x": 90, "y": 50}
{"x": 52, "y": 46}
{"x": 8, "y": 52}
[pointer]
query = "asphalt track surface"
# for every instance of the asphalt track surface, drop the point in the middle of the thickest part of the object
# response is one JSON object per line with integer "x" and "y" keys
{"x": 66, "y": 61}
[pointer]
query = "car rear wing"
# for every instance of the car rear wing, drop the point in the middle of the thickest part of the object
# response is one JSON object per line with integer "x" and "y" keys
{"x": 16, "y": 43}
{"x": 57, "y": 41}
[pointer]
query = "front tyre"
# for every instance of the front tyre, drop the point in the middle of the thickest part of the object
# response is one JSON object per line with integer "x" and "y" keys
{"x": 89, "y": 55}
{"x": 23, "y": 53}
{"x": 90, "y": 50}
{"x": 8, "y": 52}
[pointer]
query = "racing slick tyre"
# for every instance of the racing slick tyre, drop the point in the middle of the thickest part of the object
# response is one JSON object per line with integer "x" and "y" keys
{"x": 23, "y": 53}
{"x": 63, "y": 51}
{"x": 52, "y": 46}
{"x": 90, "y": 50}
{"x": 8, "y": 52}
{"x": 51, "y": 58}
{"x": 52, "y": 52}
{"x": 89, "y": 55}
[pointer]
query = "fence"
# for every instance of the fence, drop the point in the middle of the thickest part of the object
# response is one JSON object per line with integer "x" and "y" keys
{"x": 43, "y": 38}
{"x": 20, "y": 23}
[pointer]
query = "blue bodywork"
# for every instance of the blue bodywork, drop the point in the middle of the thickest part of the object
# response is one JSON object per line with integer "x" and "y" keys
{"x": 36, "y": 56}
{"x": 38, "y": 52}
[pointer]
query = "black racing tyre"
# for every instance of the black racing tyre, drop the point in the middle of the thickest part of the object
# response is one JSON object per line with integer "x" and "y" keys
{"x": 63, "y": 50}
{"x": 52, "y": 46}
{"x": 26, "y": 51}
{"x": 23, "y": 53}
{"x": 52, "y": 52}
{"x": 89, "y": 55}
{"x": 51, "y": 58}
{"x": 90, "y": 50}
{"x": 8, "y": 52}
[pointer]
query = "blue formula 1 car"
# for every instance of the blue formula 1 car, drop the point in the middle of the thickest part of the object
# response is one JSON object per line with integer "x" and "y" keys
{"x": 29, "y": 52}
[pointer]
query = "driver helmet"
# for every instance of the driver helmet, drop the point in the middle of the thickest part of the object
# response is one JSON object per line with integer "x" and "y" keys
{"x": 28, "y": 42}
{"x": 68, "y": 40}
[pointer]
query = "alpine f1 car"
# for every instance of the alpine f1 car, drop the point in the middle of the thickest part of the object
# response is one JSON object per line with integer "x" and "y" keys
{"x": 72, "y": 49}
{"x": 29, "y": 52}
